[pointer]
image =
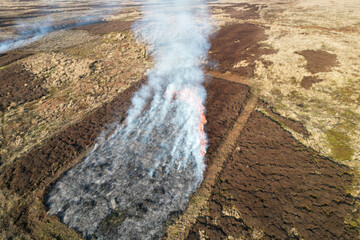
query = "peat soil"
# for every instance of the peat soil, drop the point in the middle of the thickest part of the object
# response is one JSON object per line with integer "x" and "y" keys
{"x": 273, "y": 187}
{"x": 238, "y": 43}
{"x": 308, "y": 81}
{"x": 225, "y": 101}
{"x": 289, "y": 123}
{"x": 12, "y": 56}
{"x": 17, "y": 85}
{"x": 249, "y": 11}
{"x": 38, "y": 169}
{"x": 319, "y": 60}
{"x": 236, "y": 46}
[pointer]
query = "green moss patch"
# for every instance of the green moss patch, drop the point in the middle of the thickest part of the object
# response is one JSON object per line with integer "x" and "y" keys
{"x": 339, "y": 144}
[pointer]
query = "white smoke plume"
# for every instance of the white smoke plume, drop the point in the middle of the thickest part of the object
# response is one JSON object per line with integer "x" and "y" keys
{"x": 144, "y": 172}
{"x": 178, "y": 38}
{"x": 29, "y": 31}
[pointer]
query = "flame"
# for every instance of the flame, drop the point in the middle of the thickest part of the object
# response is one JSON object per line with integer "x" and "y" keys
{"x": 201, "y": 125}
{"x": 192, "y": 97}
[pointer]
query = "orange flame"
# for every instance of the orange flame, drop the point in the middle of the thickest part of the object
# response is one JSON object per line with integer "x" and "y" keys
{"x": 191, "y": 96}
{"x": 201, "y": 128}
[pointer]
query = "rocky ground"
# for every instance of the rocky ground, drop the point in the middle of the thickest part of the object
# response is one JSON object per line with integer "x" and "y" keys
{"x": 282, "y": 109}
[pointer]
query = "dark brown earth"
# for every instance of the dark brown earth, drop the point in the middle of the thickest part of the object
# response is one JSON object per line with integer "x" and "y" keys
{"x": 12, "y": 56}
{"x": 290, "y": 123}
{"x": 319, "y": 60}
{"x": 308, "y": 81}
{"x": 238, "y": 42}
{"x": 106, "y": 27}
{"x": 251, "y": 11}
{"x": 281, "y": 190}
{"x": 17, "y": 85}
{"x": 223, "y": 105}
{"x": 36, "y": 170}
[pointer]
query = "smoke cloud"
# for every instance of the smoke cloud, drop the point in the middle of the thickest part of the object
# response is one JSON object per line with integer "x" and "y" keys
{"x": 142, "y": 174}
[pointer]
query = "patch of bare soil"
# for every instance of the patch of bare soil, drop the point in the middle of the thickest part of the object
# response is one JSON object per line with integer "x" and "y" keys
{"x": 223, "y": 105}
{"x": 106, "y": 27}
{"x": 37, "y": 169}
{"x": 17, "y": 85}
{"x": 290, "y": 123}
{"x": 319, "y": 60}
{"x": 12, "y": 56}
{"x": 272, "y": 187}
{"x": 236, "y": 47}
{"x": 247, "y": 11}
{"x": 308, "y": 81}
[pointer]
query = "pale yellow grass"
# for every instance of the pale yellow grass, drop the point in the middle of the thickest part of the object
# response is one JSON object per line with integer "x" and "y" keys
{"x": 332, "y": 105}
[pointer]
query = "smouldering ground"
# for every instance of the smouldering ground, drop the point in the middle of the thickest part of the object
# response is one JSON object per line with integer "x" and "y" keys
{"x": 280, "y": 157}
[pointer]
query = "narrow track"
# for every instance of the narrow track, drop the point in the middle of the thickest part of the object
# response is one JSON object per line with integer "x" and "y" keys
{"x": 230, "y": 77}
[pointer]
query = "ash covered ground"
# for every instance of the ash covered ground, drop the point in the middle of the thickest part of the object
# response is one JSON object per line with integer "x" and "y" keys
{"x": 282, "y": 110}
